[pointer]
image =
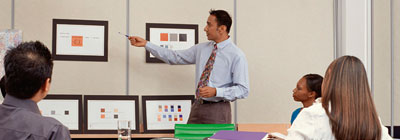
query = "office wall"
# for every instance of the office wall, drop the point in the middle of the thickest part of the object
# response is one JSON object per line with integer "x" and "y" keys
{"x": 5, "y": 14}
{"x": 396, "y": 42}
{"x": 5, "y": 19}
{"x": 283, "y": 40}
{"x": 79, "y": 77}
{"x": 381, "y": 58}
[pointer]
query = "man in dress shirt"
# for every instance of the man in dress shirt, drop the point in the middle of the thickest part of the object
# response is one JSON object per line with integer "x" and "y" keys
{"x": 28, "y": 69}
{"x": 223, "y": 79}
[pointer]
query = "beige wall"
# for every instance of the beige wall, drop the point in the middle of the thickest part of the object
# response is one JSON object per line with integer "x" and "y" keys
{"x": 5, "y": 14}
{"x": 5, "y": 19}
{"x": 396, "y": 39}
{"x": 283, "y": 40}
{"x": 79, "y": 77}
{"x": 381, "y": 58}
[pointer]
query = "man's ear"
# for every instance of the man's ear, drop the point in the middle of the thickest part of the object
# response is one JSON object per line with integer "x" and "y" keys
{"x": 222, "y": 28}
{"x": 45, "y": 87}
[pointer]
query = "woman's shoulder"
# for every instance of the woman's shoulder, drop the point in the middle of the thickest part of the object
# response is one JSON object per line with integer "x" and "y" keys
{"x": 315, "y": 110}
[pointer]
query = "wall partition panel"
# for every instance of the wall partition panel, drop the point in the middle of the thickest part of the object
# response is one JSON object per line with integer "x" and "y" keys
{"x": 35, "y": 18}
{"x": 5, "y": 14}
{"x": 283, "y": 40}
{"x": 395, "y": 40}
{"x": 381, "y": 58}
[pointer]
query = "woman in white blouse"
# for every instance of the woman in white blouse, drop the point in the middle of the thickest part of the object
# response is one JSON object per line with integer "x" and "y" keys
{"x": 346, "y": 110}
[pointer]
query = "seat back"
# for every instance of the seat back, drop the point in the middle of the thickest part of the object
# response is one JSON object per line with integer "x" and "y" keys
{"x": 199, "y": 131}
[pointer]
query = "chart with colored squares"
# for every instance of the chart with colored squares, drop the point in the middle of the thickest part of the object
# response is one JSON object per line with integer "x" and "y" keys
{"x": 170, "y": 36}
{"x": 174, "y": 39}
{"x": 164, "y": 114}
{"x": 104, "y": 114}
{"x": 65, "y": 111}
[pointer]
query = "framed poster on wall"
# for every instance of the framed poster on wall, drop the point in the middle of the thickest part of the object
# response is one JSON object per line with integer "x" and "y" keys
{"x": 161, "y": 113}
{"x": 102, "y": 113}
{"x": 80, "y": 40}
{"x": 170, "y": 36}
{"x": 65, "y": 108}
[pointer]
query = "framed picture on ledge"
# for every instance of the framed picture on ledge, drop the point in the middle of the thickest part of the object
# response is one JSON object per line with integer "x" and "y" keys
{"x": 65, "y": 108}
{"x": 161, "y": 113}
{"x": 170, "y": 36}
{"x": 102, "y": 113}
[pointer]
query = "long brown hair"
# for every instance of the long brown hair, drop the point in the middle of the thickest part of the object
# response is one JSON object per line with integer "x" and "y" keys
{"x": 347, "y": 101}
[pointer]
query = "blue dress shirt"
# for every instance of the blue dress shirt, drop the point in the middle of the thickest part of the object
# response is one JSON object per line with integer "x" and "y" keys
{"x": 230, "y": 70}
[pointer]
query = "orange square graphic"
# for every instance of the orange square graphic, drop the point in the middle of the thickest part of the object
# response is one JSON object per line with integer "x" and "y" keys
{"x": 103, "y": 110}
{"x": 163, "y": 36}
{"x": 77, "y": 41}
{"x": 103, "y": 116}
{"x": 115, "y": 110}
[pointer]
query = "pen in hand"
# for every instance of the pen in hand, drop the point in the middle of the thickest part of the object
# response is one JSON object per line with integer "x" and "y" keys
{"x": 123, "y": 34}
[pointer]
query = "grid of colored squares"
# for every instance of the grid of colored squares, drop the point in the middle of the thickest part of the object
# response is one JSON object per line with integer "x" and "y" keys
{"x": 170, "y": 108}
{"x": 173, "y": 37}
{"x": 103, "y": 113}
{"x": 170, "y": 118}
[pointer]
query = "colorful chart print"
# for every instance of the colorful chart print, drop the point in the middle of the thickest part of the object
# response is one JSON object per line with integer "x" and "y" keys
{"x": 164, "y": 114}
{"x": 104, "y": 114}
{"x": 8, "y": 39}
{"x": 65, "y": 111}
{"x": 174, "y": 39}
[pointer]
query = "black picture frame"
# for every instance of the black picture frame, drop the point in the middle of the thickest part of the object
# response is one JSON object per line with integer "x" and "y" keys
{"x": 110, "y": 97}
{"x": 195, "y": 27}
{"x": 165, "y": 97}
{"x": 79, "y": 57}
{"x": 70, "y": 97}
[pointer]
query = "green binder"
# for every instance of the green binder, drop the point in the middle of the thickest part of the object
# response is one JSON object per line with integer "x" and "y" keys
{"x": 199, "y": 131}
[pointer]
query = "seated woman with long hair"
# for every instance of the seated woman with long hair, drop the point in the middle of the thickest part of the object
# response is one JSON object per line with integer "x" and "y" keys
{"x": 308, "y": 89}
{"x": 346, "y": 110}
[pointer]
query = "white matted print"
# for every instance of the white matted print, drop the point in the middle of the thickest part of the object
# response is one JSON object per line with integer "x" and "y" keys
{"x": 80, "y": 40}
{"x": 104, "y": 114}
{"x": 65, "y": 111}
{"x": 161, "y": 113}
{"x": 171, "y": 36}
{"x": 65, "y": 108}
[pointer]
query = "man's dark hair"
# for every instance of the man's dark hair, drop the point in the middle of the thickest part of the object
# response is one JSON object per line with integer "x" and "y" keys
{"x": 2, "y": 86}
{"x": 223, "y": 18}
{"x": 314, "y": 82}
{"x": 27, "y": 67}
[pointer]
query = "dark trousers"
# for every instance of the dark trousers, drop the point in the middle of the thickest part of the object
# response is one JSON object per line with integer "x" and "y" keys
{"x": 210, "y": 113}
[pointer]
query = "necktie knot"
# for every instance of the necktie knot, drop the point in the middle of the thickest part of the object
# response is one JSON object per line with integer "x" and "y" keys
{"x": 215, "y": 46}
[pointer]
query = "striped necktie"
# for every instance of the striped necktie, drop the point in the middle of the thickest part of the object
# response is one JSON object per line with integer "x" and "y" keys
{"x": 205, "y": 76}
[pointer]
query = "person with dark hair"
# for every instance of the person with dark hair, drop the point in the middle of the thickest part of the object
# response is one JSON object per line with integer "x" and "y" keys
{"x": 221, "y": 70}
{"x": 346, "y": 110}
{"x": 3, "y": 87}
{"x": 28, "y": 69}
{"x": 308, "y": 89}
